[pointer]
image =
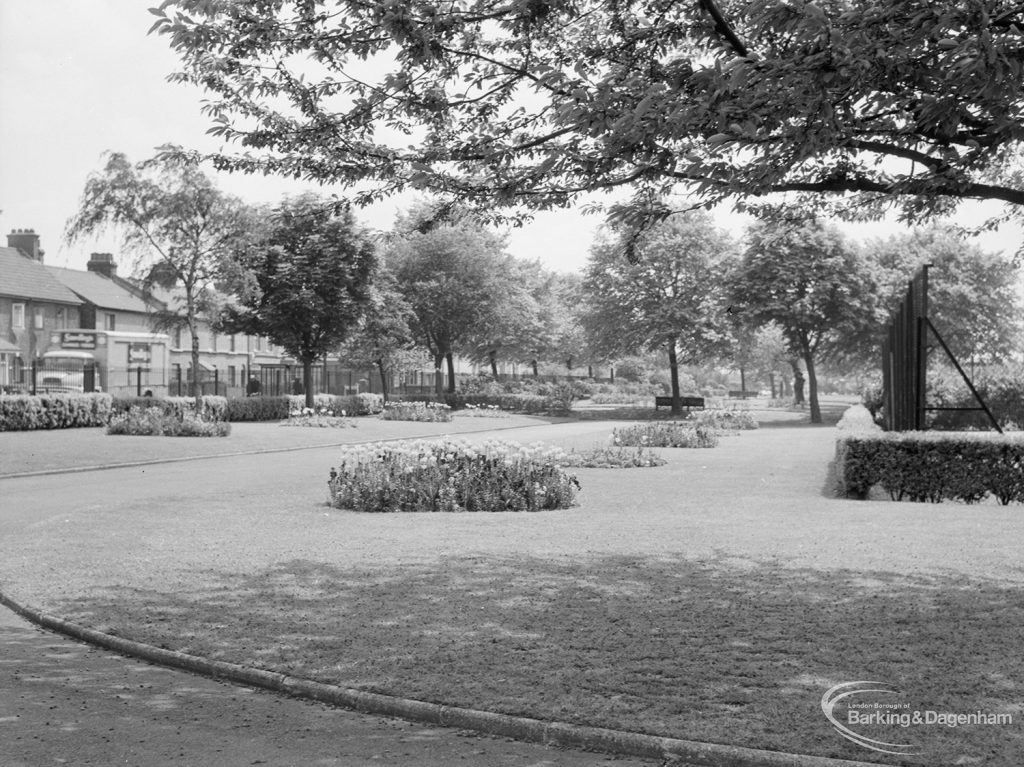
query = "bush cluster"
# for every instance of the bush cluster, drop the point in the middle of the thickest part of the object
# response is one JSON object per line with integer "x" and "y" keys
{"x": 666, "y": 434}
{"x": 515, "y": 403}
{"x": 450, "y": 475}
{"x": 24, "y": 412}
{"x": 162, "y": 422}
{"x": 215, "y": 408}
{"x": 932, "y": 466}
{"x": 416, "y": 411}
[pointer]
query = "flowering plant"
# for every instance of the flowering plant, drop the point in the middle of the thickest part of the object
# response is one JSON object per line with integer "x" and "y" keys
{"x": 416, "y": 411}
{"x": 322, "y": 417}
{"x": 451, "y": 475}
{"x": 666, "y": 434}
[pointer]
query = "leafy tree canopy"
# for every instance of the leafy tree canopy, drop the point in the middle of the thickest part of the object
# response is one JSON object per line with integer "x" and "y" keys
{"x": 534, "y": 102}
{"x": 309, "y": 272}
{"x": 974, "y": 300}
{"x": 804, "y": 277}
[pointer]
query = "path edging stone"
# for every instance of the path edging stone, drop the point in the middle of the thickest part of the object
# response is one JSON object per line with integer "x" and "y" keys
{"x": 564, "y": 734}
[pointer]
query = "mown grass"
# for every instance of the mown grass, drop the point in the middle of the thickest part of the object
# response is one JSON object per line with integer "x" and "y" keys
{"x": 702, "y": 650}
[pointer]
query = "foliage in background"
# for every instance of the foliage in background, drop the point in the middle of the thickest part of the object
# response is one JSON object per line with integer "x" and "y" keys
{"x": 384, "y": 339}
{"x": 451, "y": 475}
{"x": 177, "y": 222}
{"x": 25, "y": 412}
{"x": 973, "y": 299}
{"x": 455, "y": 278}
{"x": 303, "y": 280}
{"x": 671, "y": 297}
{"x": 724, "y": 420}
{"x": 802, "y": 276}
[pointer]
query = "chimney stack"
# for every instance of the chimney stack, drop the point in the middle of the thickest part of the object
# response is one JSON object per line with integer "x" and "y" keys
{"x": 27, "y": 241}
{"x": 102, "y": 263}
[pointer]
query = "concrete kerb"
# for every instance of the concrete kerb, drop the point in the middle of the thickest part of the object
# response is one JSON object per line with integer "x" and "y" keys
{"x": 208, "y": 456}
{"x": 670, "y": 750}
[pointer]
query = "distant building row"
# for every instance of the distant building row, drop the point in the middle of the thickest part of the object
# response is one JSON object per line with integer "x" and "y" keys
{"x": 41, "y": 306}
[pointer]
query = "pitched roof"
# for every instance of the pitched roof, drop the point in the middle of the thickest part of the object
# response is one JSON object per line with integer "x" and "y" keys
{"x": 23, "y": 277}
{"x": 100, "y": 290}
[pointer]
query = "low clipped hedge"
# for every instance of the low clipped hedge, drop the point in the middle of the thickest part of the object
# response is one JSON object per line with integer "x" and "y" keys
{"x": 25, "y": 412}
{"x": 932, "y": 466}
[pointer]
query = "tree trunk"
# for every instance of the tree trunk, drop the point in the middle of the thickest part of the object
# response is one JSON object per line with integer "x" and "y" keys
{"x": 451, "y": 372}
{"x": 383, "y": 379}
{"x": 568, "y": 364}
{"x": 307, "y": 381}
{"x": 194, "y": 383}
{"x": 438, "y": 377}
{"x": 798, "y": 383}
{"x": 771, "y": 382}
{"x": 536, "y": 372}
{"x": 812, "y": 387}
{"x": 673, "y": 366}
{"x": 743, "y": 381}
{"x": 492, "y": 356}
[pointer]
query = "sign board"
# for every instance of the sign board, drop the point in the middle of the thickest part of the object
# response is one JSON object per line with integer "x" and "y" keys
{"x": 139, "y": 354}
{"x": 75, "y": 340}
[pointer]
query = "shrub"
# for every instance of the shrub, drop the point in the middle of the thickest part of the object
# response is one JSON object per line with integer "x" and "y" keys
{"x": 450, "y": 475}
{"x": 616, "y": 457}
{"x": 258, "y": 408}
{"x": 858, "y": 418}
{"x": 416, "y": 411}
{"x": 24, "y": 412}
{"x": 932, "y": 466}
{"x": 158, "y": 422}
{"x": 724, "y": 420}
{"x": 666, "y": 434}
{"x": 516, "y": 403}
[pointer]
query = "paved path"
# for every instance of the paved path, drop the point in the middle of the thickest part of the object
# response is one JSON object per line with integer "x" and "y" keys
{"x": 64, "y": 702}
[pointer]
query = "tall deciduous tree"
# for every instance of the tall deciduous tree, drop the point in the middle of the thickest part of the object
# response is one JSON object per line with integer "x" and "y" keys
{"x": 673, "y": 298}
{"x": 452, "y": 277}
{"x": 804, "y": 277}
{"x": 170, "y": 215}
{"x": 535, "y": 102}
{"x": 974, "y": 299}
{"x": 384, "y": 339}
{"x": 309, "y": 272}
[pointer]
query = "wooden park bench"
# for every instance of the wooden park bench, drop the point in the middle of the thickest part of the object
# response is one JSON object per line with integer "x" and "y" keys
{"x": 687, "y": 402}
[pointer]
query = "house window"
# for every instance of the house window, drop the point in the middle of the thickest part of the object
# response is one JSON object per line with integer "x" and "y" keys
{"x": 231, "y": 375}
{"x": 259, "y": 343}
{"x": 213, "y": 341}
{"x": 62, "y": 317}
{"x": 177, "y": 338}
{"x": 231, "y": 342}
{"x": 40, "y": 318}
{"x": 18, "y": 315}
{"x": 108, "y": 321}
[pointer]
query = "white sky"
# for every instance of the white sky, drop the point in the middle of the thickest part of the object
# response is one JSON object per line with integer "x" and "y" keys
{"x": 80, "y": 77}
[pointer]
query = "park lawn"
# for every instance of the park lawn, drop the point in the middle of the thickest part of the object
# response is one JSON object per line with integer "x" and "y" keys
{"x": 715, "y": 598}
{"x": 701, "y": 650}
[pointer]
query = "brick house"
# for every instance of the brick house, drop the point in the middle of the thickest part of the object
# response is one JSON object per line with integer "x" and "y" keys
{"x": 33, "y": 303}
